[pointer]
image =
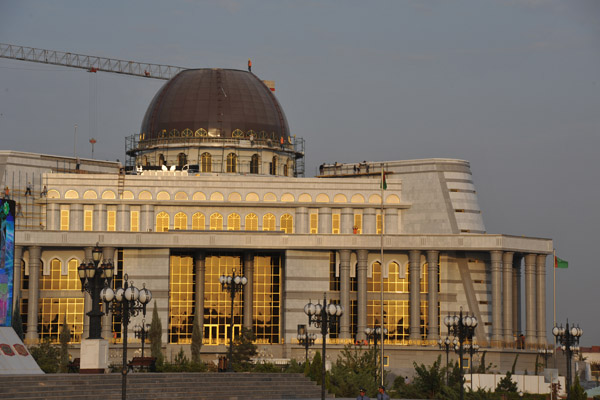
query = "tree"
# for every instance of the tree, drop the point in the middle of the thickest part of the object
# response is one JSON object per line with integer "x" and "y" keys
{"x": 196, "y": 340}
{"x": 506, "y": 384}
{"x": 430, "y": 381}
{"x": 577, "y": 392}
{"x": 64, "y": 338}
{"x": 47, "y": 356}
{"x": 314, "y": 372}
{"x": 243, "y": 350}
{"x": 155, "y": 336}
{"x": 355, "y": 368}
{"x": 17, "y": 321}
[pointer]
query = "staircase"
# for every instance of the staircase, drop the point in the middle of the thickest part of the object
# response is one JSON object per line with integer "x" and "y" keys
{"x": 149, "y": 386}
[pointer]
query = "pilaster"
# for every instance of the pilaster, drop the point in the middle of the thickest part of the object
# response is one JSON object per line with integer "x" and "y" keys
{"x": 433, "y": 333}
{"x": 414, "y": 257}
{"x": 345, "y": 293}
{"x": 361, "y": 270}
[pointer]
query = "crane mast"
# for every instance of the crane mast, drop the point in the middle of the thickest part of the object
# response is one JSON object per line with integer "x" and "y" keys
{"x": 89, "y": 63}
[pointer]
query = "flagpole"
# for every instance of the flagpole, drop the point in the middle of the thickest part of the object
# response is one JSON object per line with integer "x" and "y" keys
{"x": 554, "y": 300}
{"x": 382, "y": 266}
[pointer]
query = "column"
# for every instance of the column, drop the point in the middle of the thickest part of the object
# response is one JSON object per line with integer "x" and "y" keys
{"x": 147, "y": 218}
{"x": 516, "y": 290}
{"x": 347, "y": 220}
{"x": 496, "y": 262}
{"x": 99, "y": 217}
{"x": 530, "y": 312}
{"x": 541, "y": 298}
{"x": 345, "y": 293}
{"x": 87, "y": 300}
{"x": 53, "y": 217}
{"x": 369, "y": 221}
{"x": 108, "y": 253}
{"x": 507, "y": 258}
{"x": 31, "y": 336}
{"x": 123, "y": 218}
{"x": 249, "y": 289}
{"x": 76, "y": 217}
{"x": 200, "y": 271}
{"x": 17, "y": 275}
{"x": 391, "y": 220}
{"x": 301, "y": 220}
{"x": 325, "y": 220}
{"x": 361, "y": 306}
{"x": 414, "y": 257}
{"x": 433, "y": 333}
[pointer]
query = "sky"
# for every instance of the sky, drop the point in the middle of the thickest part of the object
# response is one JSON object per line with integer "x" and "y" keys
{"x": 512, "y": 86}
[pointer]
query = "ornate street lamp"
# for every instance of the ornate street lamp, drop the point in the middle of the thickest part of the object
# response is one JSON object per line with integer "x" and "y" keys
{"x": 472, "y": 349}
{"x": 141, "y": 332}
{"x": 325, "y": 317}
{"x": 446, "y": 344}
{"x": 569, "y": 341}
{"x": 232, "y": 284}
{"x": 546, "y": 352}
{"x": 126, "y": 301}
{"x": 375, "y": 333}
{"x": 305, "y": 339}
{"x": 462, "y": 327}
{"x": 94, "y": 276}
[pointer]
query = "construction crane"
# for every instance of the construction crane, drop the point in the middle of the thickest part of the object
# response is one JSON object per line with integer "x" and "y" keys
{"x": 93, "y": 63}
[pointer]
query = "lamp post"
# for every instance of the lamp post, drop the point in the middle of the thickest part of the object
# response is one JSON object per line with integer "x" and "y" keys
{"x": 127, "y": 301}
{"x": 141, "y": 332}
{"x": 323, "y": 316}
{"x": 545, "y": 352}
{"x": 232, "y": 284}
{"x": 472, "y": 349}
{"x": 375, "y": 333}
{"x": 569, "y": 341}
{"x": 445, "y": 344}
{"x": 462, "y": 327}
{"x": 94, "y": 276}
{"x": 305, "y": 339}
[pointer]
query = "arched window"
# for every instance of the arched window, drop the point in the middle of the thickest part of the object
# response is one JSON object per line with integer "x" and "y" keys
{"x": 181, "y": 159}
{"x": 233, "y": 222}
{"x": 201, "y": 132}
{"x": 287, "y": 223}
{"x": 198, "y": 222}
{"x": 57, "y": 281}
{"x": 187, "y": 133}
{"x": 161, "y": 159}
{"x": 231, "y": 163}
{"x": 285, "y": 170}
{"x": 180, "y": 222}
{"x": 216, "y": 222}
{"x": 254, "y": 162}
{"x": 251, "y": 222}
{"x": 273, "y": 169}
{"x": 268, "y": 222}
{"x": 162, "y": 222}
{"x": 206, "y": 162}
{"x": 145, "y": 161}
{"x": 237, "y": 133}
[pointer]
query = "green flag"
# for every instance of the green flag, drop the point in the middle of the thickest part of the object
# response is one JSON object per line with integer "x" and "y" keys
{"x": 558, "y": 263}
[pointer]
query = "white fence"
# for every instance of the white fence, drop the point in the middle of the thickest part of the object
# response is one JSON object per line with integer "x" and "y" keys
{"x": 525, "y": 383}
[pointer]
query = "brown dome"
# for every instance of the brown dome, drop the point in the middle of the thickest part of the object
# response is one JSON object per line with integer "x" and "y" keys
{"x": 214, "y": 102}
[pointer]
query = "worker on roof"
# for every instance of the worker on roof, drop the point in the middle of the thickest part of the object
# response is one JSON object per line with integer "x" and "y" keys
{"x": 249, "y": 65}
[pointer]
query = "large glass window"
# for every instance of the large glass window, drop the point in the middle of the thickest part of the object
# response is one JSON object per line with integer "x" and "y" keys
{"x": 198, "y": 222}
{"x": 111, "y": 220}
{"x": 205, "y": 162}
{"x": 162, "y": 222}
{"x": 392, "y": 284}
{"x": 88, "y": 220}
{"x": 231, "y": 163}
{"x": 397, "y": 319}
{"x": 180, "y": 222}
{"x": 267, "y": 299}
{"x": 64, "y": 220}
{"x": 334, "y": 279}
{"x": 51, "y": 315}
{"x": 134, "y": 221}
{"x": 233, "y": 222}
{"x": 268, "y": 222}
{"x": 217, "y": 303}
{"x": 254, "y": 162}
{"x": 287, "y": 223}
{"x": 251, "y": 222}
{"x": 57, "y": 281}
{"x": 181, "y": 299}
{"x": 216, "y": 222}
{"x": 314, "y": 223}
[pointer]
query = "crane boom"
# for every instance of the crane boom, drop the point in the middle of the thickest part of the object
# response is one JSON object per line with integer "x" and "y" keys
{"x": 90, "y": 63}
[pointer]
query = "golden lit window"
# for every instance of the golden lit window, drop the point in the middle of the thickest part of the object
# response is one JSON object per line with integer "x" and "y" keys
{"x": 216, "y": 222}
{"x": 111, "y": 220}
{"x": 335, "y": 224}
{"x": 314, "y": 223}
{"x": 201, "y": 132}
{"x": 64, "y": 220}
{"x": 396, "y": 319}
{"x": 233, "y": 222}
{"x": 358, "y": 223}
{"x": 134, "y": 217}
{"x": 180, "y": 222}
{"x": 57, "y": 281}
{"x": 198, "y": 222}
{"x": 268, "y": 222}
{"x": 206, "y": 162}
{"x": 237, "y": 133}
{"x": 109, "y": 195}
{"x": 392, "y": 284}
{"x": 267, "y": 299}
{"x": 71, "y": 194}
{"x": 51, "y": 315}
{"x": 162, "y": 222}
{"x": 88, "y": 220}
{"x": 251, "y": 222}
{"x": 231, "y": 163}
{"x": 287, "y": 223}
{"x": 181, "y": 299}
{"x": 379, "y": 224}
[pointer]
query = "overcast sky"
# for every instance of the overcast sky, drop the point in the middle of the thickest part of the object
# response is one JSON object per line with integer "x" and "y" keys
{"x": 511, "y": 86}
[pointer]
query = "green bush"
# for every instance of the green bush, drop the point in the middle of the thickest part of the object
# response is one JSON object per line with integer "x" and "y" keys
{"x": 47, "y": 356}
